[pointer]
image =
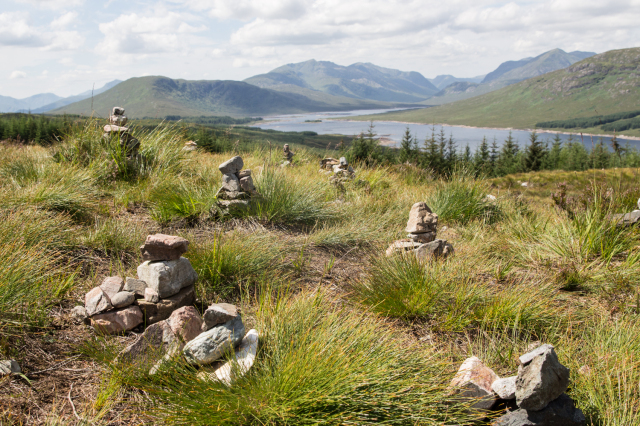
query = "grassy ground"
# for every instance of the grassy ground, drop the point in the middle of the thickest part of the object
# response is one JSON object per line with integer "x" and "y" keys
{"x": 348, "y": 336}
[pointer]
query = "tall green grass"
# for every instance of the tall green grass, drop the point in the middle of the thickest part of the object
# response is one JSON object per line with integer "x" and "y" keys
{"x": 451, "y": 298}
{"x": 461, "y": 199}
{"x": 316, "y": 365}
{"x": 287, "y": 199}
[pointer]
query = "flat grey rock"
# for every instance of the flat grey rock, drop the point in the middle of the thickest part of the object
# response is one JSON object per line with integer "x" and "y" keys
{"x": 134, "y": 286}
{"x": 232, "y": 166}
{"x": 217, "y": 314}
{"x": 167, "y": 277}
{"x": 123, "y": 299}
{"x": 211, "y": 345}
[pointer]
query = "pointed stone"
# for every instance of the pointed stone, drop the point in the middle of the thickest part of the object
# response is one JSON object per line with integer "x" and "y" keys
{"x": 505, "y": 388}
{"x": 541, "y": 378}
{"x": 421, "y": 219}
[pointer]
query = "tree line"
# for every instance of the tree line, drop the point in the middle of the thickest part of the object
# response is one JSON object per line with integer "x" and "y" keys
{"x": 441, "y": 154}
{"x": 33, "y": 128}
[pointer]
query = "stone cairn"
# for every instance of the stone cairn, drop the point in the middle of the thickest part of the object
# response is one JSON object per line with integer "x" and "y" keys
{"x": 237, "y": 186}
{"x": 421, "y": 239}
{"x": 162, "y": 298}
{"x": 117, "y": 121}
{"x": 287, "y": 155}
{"x": 190, "y": 146}
{"x": 536, "y": 395}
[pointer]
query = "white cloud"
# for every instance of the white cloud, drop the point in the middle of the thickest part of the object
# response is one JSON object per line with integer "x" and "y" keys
{"x": 53, "y": 4}
{"x": 15, "y": 30}
{"x": 64, "y": 20}
{"x": 160, "y": 32}
{"x": 18, "y": 74}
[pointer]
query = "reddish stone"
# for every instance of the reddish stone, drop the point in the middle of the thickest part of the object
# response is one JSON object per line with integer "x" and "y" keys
{"x": 163, "y": 247}
{"x": 118, "y": 321}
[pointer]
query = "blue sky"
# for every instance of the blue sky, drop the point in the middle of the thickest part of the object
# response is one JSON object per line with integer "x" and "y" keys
{"x": 67, "y": 46}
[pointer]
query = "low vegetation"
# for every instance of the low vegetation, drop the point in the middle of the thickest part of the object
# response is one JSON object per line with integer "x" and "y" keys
{"x": 347, "y": 335}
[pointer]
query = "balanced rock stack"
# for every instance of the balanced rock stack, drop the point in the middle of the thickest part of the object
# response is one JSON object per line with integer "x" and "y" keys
{"x": 117, "y": 121}
{"x": 538, "y": 390}
{"x": 342, "y": 171}
{"x": 237, "y": 186}
{"x": 422, "y": 228}
{"x": 166, "y": 283}
{"x": 287, "y": 154}
{"x": 190, "y": 146}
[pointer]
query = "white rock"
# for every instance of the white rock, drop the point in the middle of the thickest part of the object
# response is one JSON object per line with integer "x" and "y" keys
{"x": 79, "y": 313}
{"x": 244, "y": 358}
{"x": 505, "y": 388}
{"x": 167, "y": 277}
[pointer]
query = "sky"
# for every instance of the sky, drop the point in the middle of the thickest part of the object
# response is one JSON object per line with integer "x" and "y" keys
{"x": 68, "y": 46}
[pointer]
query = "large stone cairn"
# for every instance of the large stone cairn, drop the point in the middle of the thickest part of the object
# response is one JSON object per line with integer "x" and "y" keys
{"x": 237, "y": 186}
{"x": 165, "y": 283}
{"x": 162, "y": 298}
{"x": 116, "y": 126}
{"x": 287, "y": 155}
{"x": 421, "y": 238}
{"x": 537, "y": 390}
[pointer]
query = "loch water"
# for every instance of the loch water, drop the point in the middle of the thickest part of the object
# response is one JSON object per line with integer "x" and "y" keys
{"x": 391, "y": 132}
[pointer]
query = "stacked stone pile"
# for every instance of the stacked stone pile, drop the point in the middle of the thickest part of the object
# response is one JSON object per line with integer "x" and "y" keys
{"x": 237, "y": 186}
{"x": 165, "y": 283}
{"x": 287, "y": 155}
{"x": 190, "y": 146}
{"x": 421, "y": 238}
{"x": 342, "y": 172}
{"x": 116, "y": 126}
{"x": 537, "y": 390}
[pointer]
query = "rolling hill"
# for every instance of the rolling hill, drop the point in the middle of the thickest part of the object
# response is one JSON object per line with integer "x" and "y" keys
{"x": 358, "y": 81}
{"x": 602, "y": 84}
{"x": 162, "y": 96}
{"x": 443, "y": 81}
{"x": 508, "y": 73}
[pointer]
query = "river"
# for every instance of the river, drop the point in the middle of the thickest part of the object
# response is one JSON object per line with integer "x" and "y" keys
{"x": 391, "y": 132}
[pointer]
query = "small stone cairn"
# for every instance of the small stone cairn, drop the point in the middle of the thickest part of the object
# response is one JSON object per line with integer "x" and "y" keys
{"x": 421, "y": 239}
{"x": 190, "y": 146}
{"x": 237, "y": 186}
{"x": 537, "y": 390}
{"x": 162, "y": 298}
{"x": 117, "y": 121}
{"x": 287, "y": 155}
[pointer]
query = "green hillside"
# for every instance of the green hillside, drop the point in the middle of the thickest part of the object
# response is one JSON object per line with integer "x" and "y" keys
{"x": 359, "y": 81}
{"x": 603, "y": 84}
{"x": 157, "y": 97}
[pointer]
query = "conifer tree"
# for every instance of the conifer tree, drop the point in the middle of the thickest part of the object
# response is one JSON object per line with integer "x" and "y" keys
{"x": 481, "y": 157}
{"x": 406, "y": 146}
{"x": 535, "y": 153}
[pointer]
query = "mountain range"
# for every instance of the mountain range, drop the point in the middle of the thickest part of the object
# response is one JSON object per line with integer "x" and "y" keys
{"x": 44, "y": 102}
{"x": 157, "y": 97}
{"x": 508, "y": 73}
{"x": 309, "y": 86}
{"x": 606, "y": 83}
